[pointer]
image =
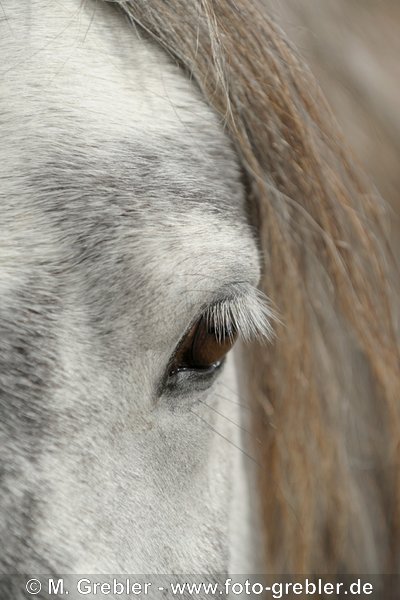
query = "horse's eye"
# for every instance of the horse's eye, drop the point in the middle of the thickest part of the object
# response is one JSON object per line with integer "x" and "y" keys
{"x": 203, "y": 347}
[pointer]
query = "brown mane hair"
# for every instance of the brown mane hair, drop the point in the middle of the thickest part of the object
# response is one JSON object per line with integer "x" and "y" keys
{"x": 326, "y": 392}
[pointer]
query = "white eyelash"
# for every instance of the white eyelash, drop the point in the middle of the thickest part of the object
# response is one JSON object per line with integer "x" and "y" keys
{"x": 246, "y": 312}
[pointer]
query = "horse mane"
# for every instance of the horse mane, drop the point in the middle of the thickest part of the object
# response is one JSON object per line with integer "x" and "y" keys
{"x": 326, "y": 392}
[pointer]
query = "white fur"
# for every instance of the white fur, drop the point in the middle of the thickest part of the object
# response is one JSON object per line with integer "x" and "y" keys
{"x": 123, "y": 479}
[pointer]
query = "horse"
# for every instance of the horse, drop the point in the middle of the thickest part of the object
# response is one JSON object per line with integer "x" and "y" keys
{"x": 199, "y": 363}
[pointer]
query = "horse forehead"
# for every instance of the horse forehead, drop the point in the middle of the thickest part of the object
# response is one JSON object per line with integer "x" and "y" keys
{"x": 117, "y": 173}
{"x": 105, "y": 110}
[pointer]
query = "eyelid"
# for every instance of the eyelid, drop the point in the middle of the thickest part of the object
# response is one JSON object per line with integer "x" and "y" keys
{"x": 247, "y": 309}
{"x": 241, "y": 308}
{"x": 242, "y": 312}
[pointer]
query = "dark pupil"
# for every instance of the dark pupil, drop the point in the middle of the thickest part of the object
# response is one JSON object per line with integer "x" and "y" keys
{"x": 203, "y": 347}
{"x": 210, "y": 346}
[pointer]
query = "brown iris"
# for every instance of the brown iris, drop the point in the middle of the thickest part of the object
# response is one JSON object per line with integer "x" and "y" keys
{"x": 203, "y": 347}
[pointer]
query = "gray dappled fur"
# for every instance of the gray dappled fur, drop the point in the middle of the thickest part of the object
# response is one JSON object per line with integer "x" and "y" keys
{"x": 123, "y": 217}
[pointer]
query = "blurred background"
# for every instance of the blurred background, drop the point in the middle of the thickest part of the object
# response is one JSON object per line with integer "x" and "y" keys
{"x": 353, "y": 48}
